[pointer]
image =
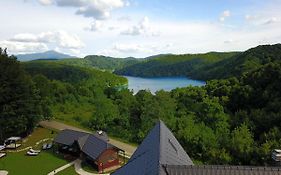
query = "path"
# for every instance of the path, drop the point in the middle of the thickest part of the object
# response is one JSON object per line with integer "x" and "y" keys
{"x": 129, "y": 149}
{"x": 62, "y": 168}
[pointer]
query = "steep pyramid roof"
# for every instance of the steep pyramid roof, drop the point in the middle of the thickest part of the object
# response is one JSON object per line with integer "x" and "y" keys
{"x": 160, "y": 147}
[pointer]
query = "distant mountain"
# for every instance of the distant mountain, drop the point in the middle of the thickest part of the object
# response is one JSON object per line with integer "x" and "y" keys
{"x": 173, "y": 65}
{"x": 52, "y": 55}
{"x": 212, "y": 65}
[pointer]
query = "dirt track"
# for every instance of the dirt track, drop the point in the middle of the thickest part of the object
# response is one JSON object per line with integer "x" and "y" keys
{"x": 129, "y": 149}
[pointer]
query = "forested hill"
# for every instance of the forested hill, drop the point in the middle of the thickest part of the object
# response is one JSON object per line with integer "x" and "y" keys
{"x": 241, "y": 63}
{"x": 207, "y": 66}
{"x": 72, "y": 74}
{"x": 32, "y": 91}
{"x": 102, "y": 62}
{"x": 173, "y": 65}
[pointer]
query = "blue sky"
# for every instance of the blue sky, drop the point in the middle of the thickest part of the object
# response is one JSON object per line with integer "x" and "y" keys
{"x": 139, "y": 28}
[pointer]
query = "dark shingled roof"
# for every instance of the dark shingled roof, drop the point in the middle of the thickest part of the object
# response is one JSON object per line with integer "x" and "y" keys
{"x": 89, "y": 144}
{"x": 67, "y": 136}
{"x": 159, "y": 147}
{"x": 94, "y": 146}
{"x": 220, "y": 170}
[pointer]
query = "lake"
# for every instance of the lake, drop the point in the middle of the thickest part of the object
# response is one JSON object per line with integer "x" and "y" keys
{"x": 156, "y": 84}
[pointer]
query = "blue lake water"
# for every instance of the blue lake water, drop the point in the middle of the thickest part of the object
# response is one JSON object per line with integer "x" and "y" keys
{"x": 156, "y": 84}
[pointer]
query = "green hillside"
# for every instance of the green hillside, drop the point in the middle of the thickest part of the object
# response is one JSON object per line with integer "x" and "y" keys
{"x": 70, "y": 93}
{"x": 55, "y": 70}
{"x": 240, "y": 63}
{"x": 173, "y": 65}
{"x": 101, "y": 62}
{"x": 207, "y": 66}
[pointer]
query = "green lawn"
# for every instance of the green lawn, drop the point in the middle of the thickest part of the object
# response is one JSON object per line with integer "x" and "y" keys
{"x": 21, "y": 164}
{"x": 38, "y": 134}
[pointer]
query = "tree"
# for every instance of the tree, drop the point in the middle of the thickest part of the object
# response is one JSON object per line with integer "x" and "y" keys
{"x": 105, "y": 113}
{"x": 242, "y": 145}
{"x": 20, "y": 103}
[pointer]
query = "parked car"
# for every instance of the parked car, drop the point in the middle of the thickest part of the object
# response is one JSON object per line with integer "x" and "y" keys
{"x": 31, "y": 153}
{"x": 49, "y": 145}
{"x": 2, "y": 155}
{"x": 44, "y": 146}
{"x": 34, "y": 151}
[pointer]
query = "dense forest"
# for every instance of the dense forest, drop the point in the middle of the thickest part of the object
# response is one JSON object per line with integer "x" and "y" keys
{"x": 236, "y": 120}
{"x": 36, "y": 90}
{"x": 174, "y": 65}
{"x": 101, "y": 62}
{"x": 207, "y": 66}
{"x": 21, "y": 106}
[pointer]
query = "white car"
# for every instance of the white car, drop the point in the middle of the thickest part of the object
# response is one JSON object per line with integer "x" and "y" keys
{"x": 34, "y": 151}
{"x": 2, "y": 155}
{"x": 44, "y": 147}
{"x": 31, "y": 153}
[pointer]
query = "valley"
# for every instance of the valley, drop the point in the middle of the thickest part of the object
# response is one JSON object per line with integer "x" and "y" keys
{"x": 230, "y": 119}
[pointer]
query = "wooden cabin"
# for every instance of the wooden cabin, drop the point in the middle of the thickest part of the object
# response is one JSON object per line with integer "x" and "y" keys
{"x": 93, "y": 148}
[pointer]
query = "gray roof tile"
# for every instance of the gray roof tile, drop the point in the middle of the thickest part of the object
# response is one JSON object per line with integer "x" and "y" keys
{"x": 67, "y": 136}
{"x": 220, "y": 170}
{"x": 159, "y": 147}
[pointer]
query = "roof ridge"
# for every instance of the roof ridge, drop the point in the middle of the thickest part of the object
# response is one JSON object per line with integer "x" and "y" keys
{"x": 85, "y": 140}
{"x": 160, "y": 146}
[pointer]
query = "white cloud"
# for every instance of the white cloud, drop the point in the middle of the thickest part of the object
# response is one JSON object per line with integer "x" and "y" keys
{"x": 46, "y": 2}
{"x": 97, "y": 9}
{"x": 124, "y": 18}
{"x": 21, "y": 47}
{"x": 61, "y": 38}
{"x": 143, "y": 28}
{"x": 261, "y": 19}
{"x": 251, "y": 17}
{"x": 25, "y": 37}
{"x": 69, "y": 41}
{"x": 270, "y": 20}
{"x": 75, "y": 51}
{"x": 96, "y": 25}
{"x": 71, "y": 3}
{"x": 131, "y": 48}
{"x": 229, "y": 41}
{"x": 93, "y": 11}
{"x": 225, "y": 14}
{"x": 28, "y": 42}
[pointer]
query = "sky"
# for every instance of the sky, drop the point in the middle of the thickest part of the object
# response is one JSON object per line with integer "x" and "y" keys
{"x": 138, "y": 28}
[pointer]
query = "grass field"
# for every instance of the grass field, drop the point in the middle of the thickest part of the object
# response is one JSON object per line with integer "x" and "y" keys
{"x": 18, "y": 163}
